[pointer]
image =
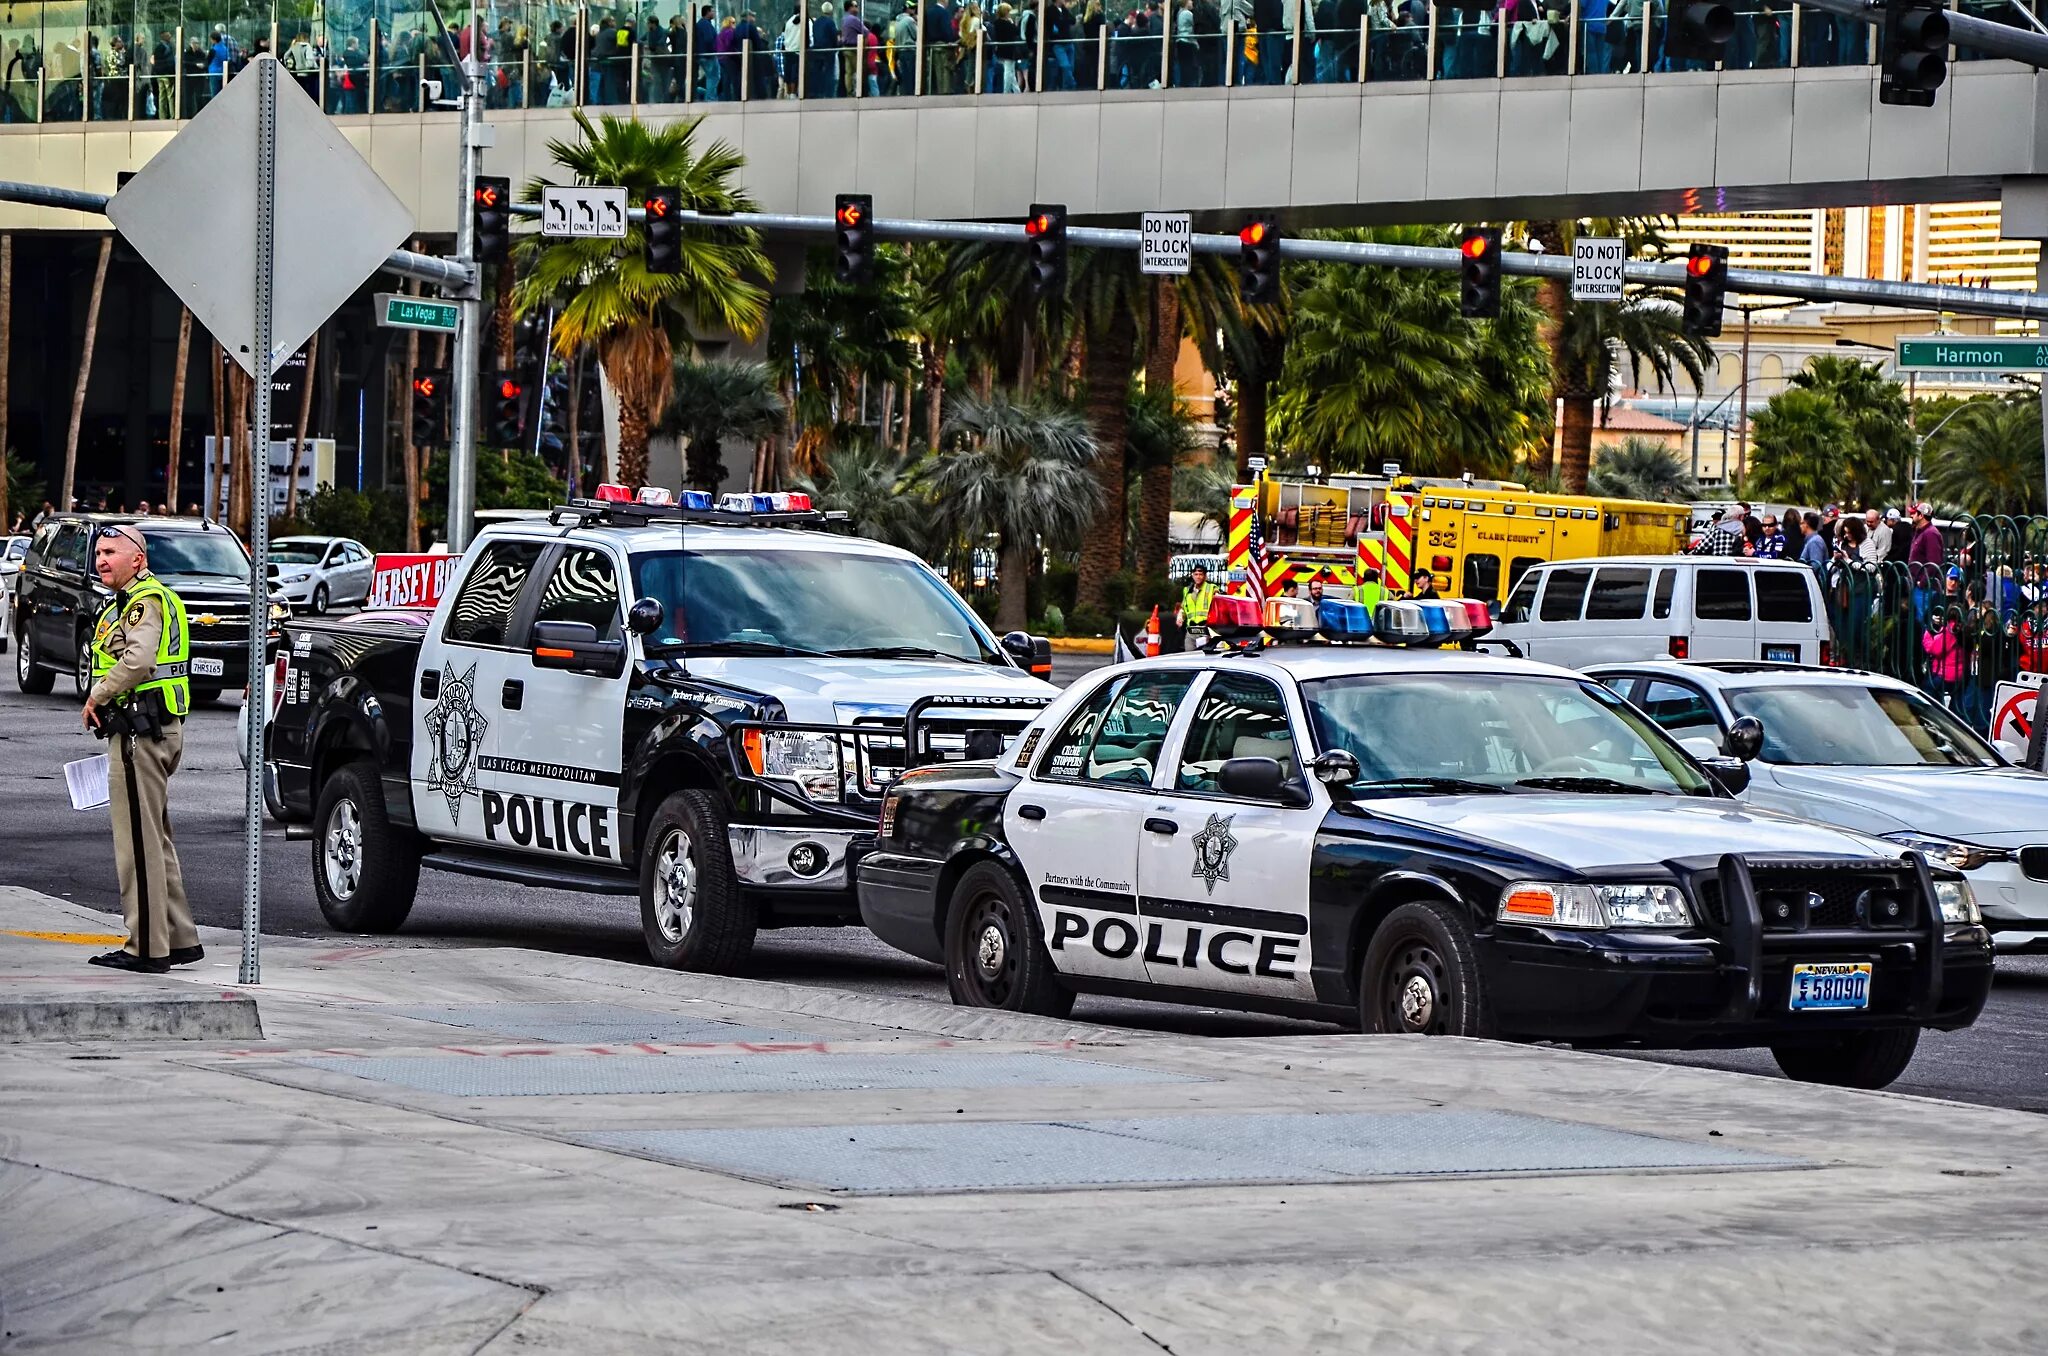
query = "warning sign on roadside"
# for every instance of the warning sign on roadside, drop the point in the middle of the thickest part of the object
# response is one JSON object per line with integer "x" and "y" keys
{"x": 1596, "y": 268}
{"x": 2013, "y": 713}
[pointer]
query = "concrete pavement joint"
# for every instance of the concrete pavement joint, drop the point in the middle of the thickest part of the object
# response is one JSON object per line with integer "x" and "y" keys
{"x": 1086, "y": 1293}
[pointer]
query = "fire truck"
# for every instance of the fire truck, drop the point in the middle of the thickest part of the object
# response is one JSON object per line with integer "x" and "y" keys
{"x": 1474, "y": 538}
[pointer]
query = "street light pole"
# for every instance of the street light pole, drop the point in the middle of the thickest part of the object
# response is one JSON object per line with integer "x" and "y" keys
{"x": 475, "y": 134}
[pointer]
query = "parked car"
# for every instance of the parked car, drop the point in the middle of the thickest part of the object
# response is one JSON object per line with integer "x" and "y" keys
{"x": 1871, "y": 753}
{"x": 58, "y": 598}
{"x": 316, "y": 573}
{"x": 1624, "y": 608}
{"x": 12, "y": 551}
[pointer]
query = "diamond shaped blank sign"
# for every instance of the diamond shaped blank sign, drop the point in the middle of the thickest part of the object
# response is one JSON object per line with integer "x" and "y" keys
{"x": 191, "y": 212}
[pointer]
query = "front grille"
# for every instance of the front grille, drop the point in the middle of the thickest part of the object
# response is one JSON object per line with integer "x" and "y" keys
{"x": 2034, "y": 862}
{"x": 1812, "y": 899}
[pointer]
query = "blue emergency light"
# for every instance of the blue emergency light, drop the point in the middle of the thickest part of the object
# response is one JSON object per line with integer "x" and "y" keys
{"x": 1431, "y": 621}
{"x": 1344, "y": 621}
{"x": 695, "y": 499}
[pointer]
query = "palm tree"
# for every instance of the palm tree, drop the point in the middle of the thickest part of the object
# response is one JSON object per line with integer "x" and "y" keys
{"x": 6, "y": 356}
{"x": 1641, "y": 468}
{"x": 825, "y": 342}
{"x": 181, "y": 364}
{"x": 1160, "y": 435}
{"x": 1596, "y": 339}
{"x": 1881, "y": 463}
{"x": 92, "y": 331}
{"x": 1381, "y": 367}
{"x": 716, "y": 400}
{"x": 867, "y": 485}
{"x": 605, "y": 296}
{"x": 1801, "y": 445}
{"x": 1018, "y": 470}
{"x": 1988, "y": 459}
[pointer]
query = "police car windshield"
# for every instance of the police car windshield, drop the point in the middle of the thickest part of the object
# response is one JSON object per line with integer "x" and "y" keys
{"x": 820, "y": 602}
{"x": 211, "y": 553}
{"x": 1849, "y": 725}
{"x": 1496, "y": 729}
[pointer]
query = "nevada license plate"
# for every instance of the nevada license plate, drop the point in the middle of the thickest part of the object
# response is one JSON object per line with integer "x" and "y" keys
{"x": 1830, "y": 987}
{"x": 208, "y": 668}
{"x": 1781, "y": 654}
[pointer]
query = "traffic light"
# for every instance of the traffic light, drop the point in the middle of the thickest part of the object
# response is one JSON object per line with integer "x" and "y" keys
{"x": 491, "y": 214}
{"x": 1479, "y": 272}
{"x": 1047, "y": 229}
{"x": 504, "y": 409}
{"x": 1912, "y": 52}
{"x": 1706, "y": 283}
{"x": 852, "y": 226}
{"x": 663, "y": 230}
{"x": 429, "y": 409}
{"x": 1699, "y": 30}
{"x": 1258, "y": 261}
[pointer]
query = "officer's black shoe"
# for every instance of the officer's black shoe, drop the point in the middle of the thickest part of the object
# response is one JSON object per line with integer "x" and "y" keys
{"x": 187, "y": 955}
{"x": 121, "y": 960}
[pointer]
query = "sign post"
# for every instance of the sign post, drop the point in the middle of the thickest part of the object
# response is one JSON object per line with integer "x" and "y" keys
{"x": 312, "y": 221}
{"x": 1166, "y": 243}
{"x": 1597, "y": 263}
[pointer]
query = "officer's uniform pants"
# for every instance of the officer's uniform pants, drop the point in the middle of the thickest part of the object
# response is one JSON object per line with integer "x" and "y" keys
{"x": 150, "y": 864}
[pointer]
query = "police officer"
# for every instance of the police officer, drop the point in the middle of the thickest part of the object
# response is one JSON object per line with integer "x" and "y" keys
{"x": 140, "y": 694}
{"x": 1195, "y": 601}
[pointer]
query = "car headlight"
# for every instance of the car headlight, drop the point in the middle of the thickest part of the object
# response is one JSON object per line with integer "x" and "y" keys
{"x": 808, "y": 761}
{"x": 1949, "y": 851}
{"x": 1594, "y": 906}
{"x": 1958, "y": 902}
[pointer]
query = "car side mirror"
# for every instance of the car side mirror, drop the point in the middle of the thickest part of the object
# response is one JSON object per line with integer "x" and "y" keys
{"x": 1338, "y": 767}
{"x": 1032, "y": 653}
{"x": 574, "y": 647}
{"x": 1259, "y": 779}
{"x": 1745, "y": 738}
{"x": 644, "y": 618}
{"x": 1730, "y": 774}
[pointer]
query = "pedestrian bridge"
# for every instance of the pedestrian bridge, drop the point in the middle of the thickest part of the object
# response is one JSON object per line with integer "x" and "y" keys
{"x": 1449, "y": 118}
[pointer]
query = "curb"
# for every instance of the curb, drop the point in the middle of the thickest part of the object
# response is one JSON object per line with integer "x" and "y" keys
{"x": 129, "y": 1017}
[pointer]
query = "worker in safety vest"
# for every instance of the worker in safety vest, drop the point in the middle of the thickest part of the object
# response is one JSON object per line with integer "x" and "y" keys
{"x": 1195, "y": 601}
{"x": 1369, "y": 590}
{"x": 141, "y": 651}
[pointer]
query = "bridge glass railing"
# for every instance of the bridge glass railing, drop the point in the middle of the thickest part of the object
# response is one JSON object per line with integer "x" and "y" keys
{"x": 1397, "y": 42}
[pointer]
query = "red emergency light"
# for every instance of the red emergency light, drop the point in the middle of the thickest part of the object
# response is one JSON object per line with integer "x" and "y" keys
{"x": 614, "y": 494}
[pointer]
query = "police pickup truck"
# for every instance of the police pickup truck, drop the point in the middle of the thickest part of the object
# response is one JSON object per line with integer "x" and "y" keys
{"x": 1420, "y": 841}
{"x": 698, "y": 706}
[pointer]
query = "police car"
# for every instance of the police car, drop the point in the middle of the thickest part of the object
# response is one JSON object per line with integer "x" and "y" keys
{"x": 695, "y": 705}
{"x": 1415, "y": 840}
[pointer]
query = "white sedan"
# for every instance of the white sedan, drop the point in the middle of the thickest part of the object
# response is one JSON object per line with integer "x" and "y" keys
{"x": 318, "y": 573}
{"x": 1871, "y": 753}
{"x": 12, "y": 549}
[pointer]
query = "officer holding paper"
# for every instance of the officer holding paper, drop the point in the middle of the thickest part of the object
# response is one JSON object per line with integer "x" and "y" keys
{"x": 141, "y": 649}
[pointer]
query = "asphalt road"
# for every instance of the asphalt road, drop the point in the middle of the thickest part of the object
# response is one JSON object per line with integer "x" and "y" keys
{"x": 45, "y": 845}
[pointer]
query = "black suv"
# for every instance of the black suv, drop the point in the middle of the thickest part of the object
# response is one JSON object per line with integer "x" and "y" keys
{"x": 58, "y": 598}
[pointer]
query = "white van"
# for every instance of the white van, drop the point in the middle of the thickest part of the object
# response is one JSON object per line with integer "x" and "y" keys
{"x": 1610, "y": 609}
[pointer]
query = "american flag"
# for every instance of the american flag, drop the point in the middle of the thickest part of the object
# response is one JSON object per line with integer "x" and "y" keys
{"x": 1255, "y": 561}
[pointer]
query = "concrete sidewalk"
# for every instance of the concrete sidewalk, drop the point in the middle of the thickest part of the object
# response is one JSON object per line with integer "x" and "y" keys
{"x": 438, "y": 1149}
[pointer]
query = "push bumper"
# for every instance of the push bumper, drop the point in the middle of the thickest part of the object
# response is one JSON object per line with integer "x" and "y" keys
{"x": 799, "y": 857}
{"x": 1732, "y": 989}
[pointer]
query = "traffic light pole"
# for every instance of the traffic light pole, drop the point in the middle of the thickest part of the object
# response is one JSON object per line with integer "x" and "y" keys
{"x": 1965, "y": 30}
{"x": 463, "y": 375}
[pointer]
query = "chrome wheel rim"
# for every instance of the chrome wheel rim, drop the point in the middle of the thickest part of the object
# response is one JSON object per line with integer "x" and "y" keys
{"x": 82, "y": 675}
{"x": 675, "y": 886}
{"x": 24, "y": 658}
{"x": 342, "y": 854}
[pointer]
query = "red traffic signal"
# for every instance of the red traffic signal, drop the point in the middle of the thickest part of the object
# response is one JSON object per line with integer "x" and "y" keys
{"x": 425, "y": 387}
{"x": 657, "y": 207}
{"x": 509, "y": 389}
{"x": 1253, "y": 233}
{"x": 1476, "y": 246}
{"x": 851, "y": 213}
{"x": 1699, "y": 265}
{"x": 1037, "y": 225}
{"x": 487, "y": 194}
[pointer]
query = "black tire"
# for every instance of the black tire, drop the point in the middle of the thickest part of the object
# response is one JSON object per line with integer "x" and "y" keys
{"x": 366, "y": 885}
{"x": 693, "y": 914}
{"x": 995, "y": 947}
{"x": 318, "y": 606}
{"x": 205, "y": 696}
{"x": 29, "y": 674}
{"x": 1853, "y": 1059}
{"x": 1420, "y": 975}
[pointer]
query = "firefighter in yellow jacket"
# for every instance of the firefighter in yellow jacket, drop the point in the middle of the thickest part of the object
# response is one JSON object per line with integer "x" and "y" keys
{"x": 141, "y": 651}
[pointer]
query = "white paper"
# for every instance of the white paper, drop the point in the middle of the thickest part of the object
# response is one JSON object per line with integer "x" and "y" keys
{"x": 87, "y": 779}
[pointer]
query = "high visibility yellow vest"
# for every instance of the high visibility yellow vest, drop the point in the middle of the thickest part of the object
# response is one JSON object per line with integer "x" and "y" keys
{"x": 1194, "y": 603}
{"x": 173, "y": 648}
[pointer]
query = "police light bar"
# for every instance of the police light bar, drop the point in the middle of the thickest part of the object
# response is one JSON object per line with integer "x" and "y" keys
{"x": 1431, "y": 621}
{"x": 653, "y": 494}
{"x": 614, "y": 494}
{"x": 1290, "y": 618}
{"x": 695, "y": 499}
{"x": 1231, "y": 616}
{"x": 1343, "y": 621}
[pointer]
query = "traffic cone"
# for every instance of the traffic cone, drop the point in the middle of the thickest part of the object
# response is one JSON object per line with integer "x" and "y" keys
{"x": 1152, "y": 635}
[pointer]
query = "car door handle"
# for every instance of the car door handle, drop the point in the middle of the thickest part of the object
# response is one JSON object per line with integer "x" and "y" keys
{"x": 513, "y": 693}
{"x": 1031, "y": 812}
{"x": 430, "y": 683}
{"x": 1158, "y": 825}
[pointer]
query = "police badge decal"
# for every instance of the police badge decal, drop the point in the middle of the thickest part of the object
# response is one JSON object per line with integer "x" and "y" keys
{"x": 454, "y": 728}
{"x": 1213, "y": 846}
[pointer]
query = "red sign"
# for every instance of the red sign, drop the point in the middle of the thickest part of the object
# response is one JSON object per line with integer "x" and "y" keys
{"x": 410, "y": 581}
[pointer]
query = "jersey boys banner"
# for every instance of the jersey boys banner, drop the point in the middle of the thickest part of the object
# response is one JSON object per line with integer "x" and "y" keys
{"x": 410, "y": 581}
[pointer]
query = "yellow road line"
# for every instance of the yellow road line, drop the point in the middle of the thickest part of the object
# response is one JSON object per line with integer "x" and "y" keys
{"x": 74, "y": 938}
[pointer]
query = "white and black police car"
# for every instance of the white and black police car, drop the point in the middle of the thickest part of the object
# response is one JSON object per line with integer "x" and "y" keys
{"x": 1416, "y": 840}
